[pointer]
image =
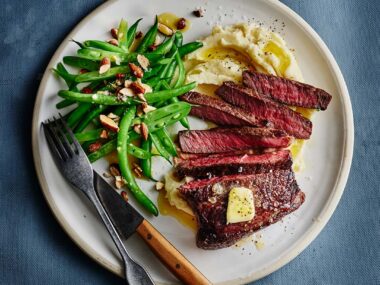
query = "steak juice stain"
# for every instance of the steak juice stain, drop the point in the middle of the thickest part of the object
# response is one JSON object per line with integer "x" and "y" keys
{"x": 168, "y": 210}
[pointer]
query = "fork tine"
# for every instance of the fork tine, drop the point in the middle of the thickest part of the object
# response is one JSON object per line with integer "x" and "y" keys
{"x": 51, "y": 142}
{"x": 55, "y": 136}
{"x": 71, "y": 134}
{"x": 63, "y": 136}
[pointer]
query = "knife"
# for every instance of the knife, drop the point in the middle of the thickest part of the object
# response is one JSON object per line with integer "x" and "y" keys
{"x": 127, "y": 221}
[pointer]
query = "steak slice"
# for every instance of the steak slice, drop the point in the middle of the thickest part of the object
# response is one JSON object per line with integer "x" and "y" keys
{"x": 218, "y": 111}
{"x": 218, "y": 140}
{"x": 207, "y": 167}
{"x": 287, "y": 91}
{"x": 276, "y": 194}
{"x": 277, "y": 115}
{"x": 187, "y": 156}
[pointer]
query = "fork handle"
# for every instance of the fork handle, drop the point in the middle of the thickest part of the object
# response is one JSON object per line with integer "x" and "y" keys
{"x": 170, "y": 256}
{"x": 134, "y": 273}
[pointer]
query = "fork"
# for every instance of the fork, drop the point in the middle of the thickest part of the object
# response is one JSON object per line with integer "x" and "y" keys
{"x": 75, "y": 166}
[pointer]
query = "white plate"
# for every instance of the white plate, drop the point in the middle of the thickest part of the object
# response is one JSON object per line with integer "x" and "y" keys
{"x": 328, "y": 154}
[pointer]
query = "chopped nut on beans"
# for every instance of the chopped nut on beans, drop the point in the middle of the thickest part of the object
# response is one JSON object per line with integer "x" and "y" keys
{"x": 114, "y": 169}
{"x": 181, "y": 24}
{"x": 136, "y": 70}
{"x": 159, "y": 185}
{"x": 94, "y": 146}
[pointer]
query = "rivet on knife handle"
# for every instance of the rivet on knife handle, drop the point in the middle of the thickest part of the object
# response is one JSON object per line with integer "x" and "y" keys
{"x": 170, "y": 256}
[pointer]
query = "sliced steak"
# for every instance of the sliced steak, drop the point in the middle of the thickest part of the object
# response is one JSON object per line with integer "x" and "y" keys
{"x": 218, "y": 111}
{"x": 187, "y": 156}
{"x": 218, "y": 140}
{"x": 207, "y": 167}
{"x": 277, "y": 115}
{"x": 287, "y": 91}
{"x": 276, "y": 194}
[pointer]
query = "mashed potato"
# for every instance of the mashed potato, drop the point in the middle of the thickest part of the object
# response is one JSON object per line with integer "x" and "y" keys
{"x": 224, "y": 55}
{"x": 229, "y": 50}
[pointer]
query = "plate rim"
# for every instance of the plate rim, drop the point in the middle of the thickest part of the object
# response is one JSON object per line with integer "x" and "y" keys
{"x": 312, "y": 232}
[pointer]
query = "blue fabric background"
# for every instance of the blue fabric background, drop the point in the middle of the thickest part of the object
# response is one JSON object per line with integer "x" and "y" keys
{"x": 35, "y": 250}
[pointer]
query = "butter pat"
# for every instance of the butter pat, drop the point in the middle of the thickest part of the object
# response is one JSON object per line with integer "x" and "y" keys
{"x": 241, "y": 207}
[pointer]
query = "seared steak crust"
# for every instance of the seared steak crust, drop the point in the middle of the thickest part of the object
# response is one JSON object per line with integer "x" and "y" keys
{"x": 277, "y": 115}
{"x": 207, "y": 167}
{"x": 218, "y": 140}
{"x": 276, "y": 194}
{"x": 287, "y": 91}
{"x": 218, "y": 111}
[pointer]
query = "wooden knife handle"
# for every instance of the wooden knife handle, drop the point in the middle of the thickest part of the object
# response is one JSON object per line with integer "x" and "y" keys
{"x": 170, "y": 256}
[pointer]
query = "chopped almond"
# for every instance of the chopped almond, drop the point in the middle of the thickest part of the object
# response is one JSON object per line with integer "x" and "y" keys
{"x": 114, "y": 32}
{"x": 124, "y": 195}
{"x": 147, "y": 108}
{"x": 114, "y": 42}
{"x": 136, "y": 70}
{"x": 105, "y": 65}
{"x": 165, "y": 29}
{"x": 108, "y": 123}
{"x": 119, "y": 182}
{"x": 94, "y": 147}
{"x": 159, "y": 185}
{"x": 114, "y": 169}
{"x": 137, "y": 128}
{"x": 144, "y": 131}
{"x": 104, "y": 134}
{"x": 143, "y": 61}
{"x": 137, "y": 87}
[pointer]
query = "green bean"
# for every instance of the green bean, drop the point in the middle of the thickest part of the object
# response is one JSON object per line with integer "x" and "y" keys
{"x": 165, "y": 47}
{"x": 110, "y": 146}
{"x": 88, "y": 136}
{"x": 184, "y": 121}
{"x": 81, "y": 62}
{"x": 178, "y": 38}
{"x": 166, "y": 141}
{"x": 157, "y": 87}
{"x": 149, "y": 38}
{"x": 64, "y": 74}
{"x": 152, "y": 72}
{"x": 95, "y": 76}
{"x": 64, "y": 103}
{"x": 102, "y": 99}
{"x": 122, "y": 35}
{"x": 164, "y": 61}
{"x": 88, "y": 118}
{"x": 119, "y": 110}
{"x": 181, "y": 72}
{"x": 105, "y": 149}
{"x": 189, "y": 47}
{"x": 101, "y": 45}
{"x": 160, "y": 147}
{"x": 146, "y": 164}
{"x": 97, "y": 54}
{"x": 78, "y": 43}
{"x": 122, "y": 148}
{"x": 164, "y": 116}
{"x": 132, "y": 33}
{"x": 78, "y": 113}
{"x": 170, "y": 71}
{"x": 152, "y": 82}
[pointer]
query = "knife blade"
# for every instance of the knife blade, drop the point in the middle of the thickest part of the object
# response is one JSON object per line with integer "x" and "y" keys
{"x": 127, "y": 220}
{"x": 123, "y": 216}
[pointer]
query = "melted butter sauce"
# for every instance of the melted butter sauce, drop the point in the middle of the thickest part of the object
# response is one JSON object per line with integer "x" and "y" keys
{"x": 223, "y": 53}
{"x": 285, "y": 61}
{"x": 170, "y": 20}
{"x": 168, "y": 210}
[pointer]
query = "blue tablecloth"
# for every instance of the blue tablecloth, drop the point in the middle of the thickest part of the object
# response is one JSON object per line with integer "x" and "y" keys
{"x": 35, "y": 250}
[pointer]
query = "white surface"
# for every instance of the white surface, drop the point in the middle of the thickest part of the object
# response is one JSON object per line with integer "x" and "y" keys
{"x": 327, "y": 155}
